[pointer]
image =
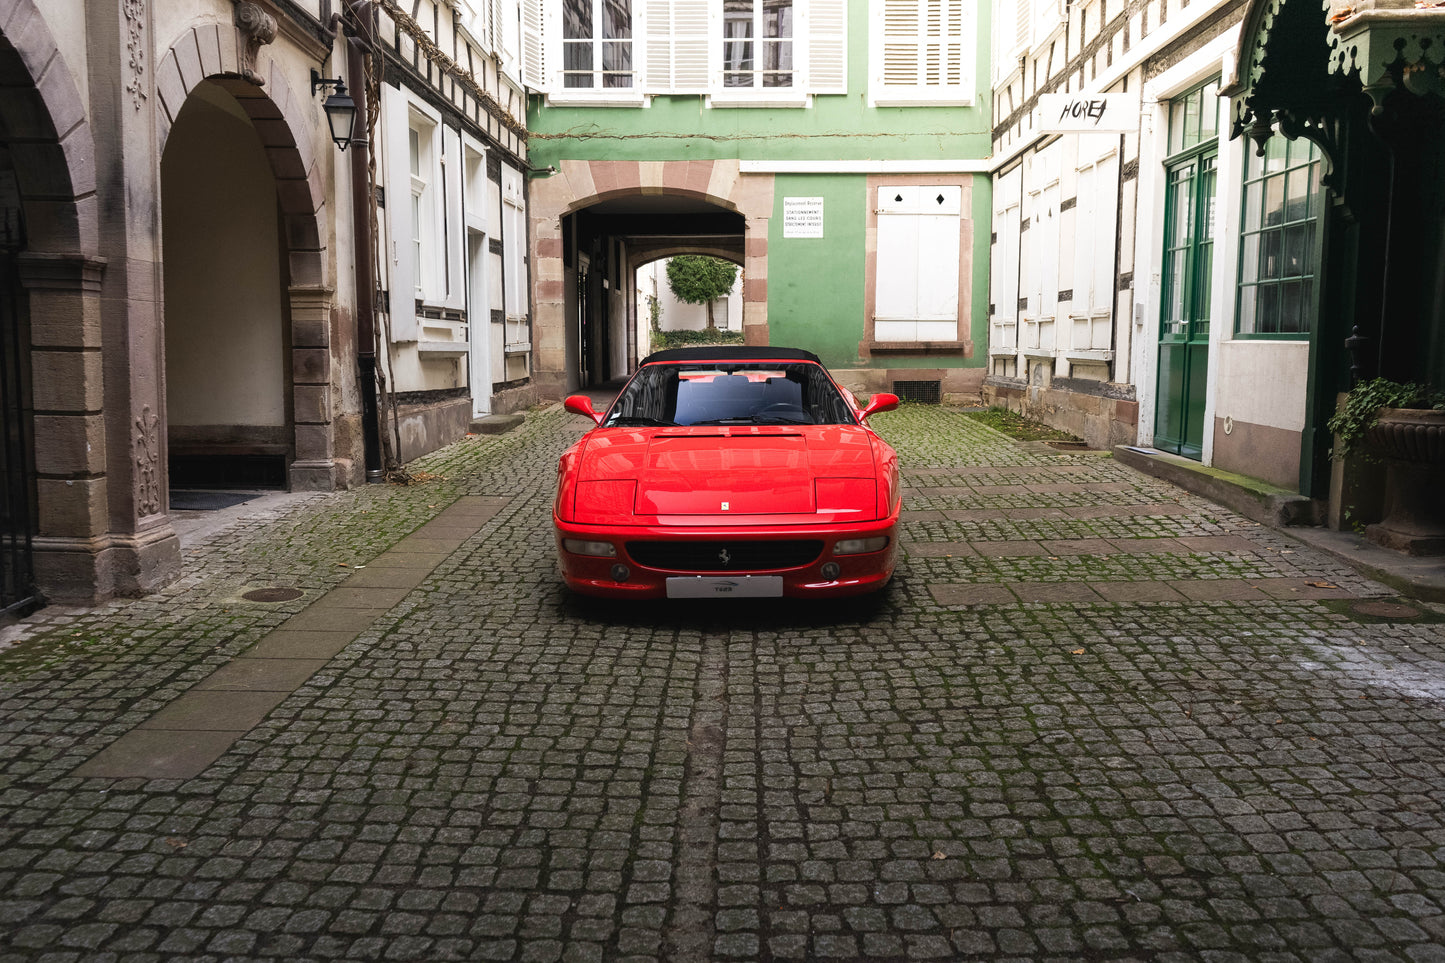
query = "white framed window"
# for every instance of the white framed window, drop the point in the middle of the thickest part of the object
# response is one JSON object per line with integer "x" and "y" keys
{"x": 757, "y": 43}
{"x": 597, "y": 44}
{"x": 922, "y": 52}
{"x": 917, "y": 268}
{"x": 736, "y": 52}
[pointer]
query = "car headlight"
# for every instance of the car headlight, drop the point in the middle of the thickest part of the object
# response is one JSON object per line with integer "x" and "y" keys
{"x": 860, "y": 546}
{"x": 581, "y": 546}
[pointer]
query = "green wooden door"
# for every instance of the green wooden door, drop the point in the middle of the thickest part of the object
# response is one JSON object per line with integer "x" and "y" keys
{"x": 1188, "y": 265}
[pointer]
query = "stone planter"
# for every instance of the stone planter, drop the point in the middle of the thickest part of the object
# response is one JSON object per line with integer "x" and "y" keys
{"x": 1412, "y": 443}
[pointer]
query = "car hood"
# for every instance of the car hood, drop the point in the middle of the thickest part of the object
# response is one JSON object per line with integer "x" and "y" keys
{"x": 727, "y": 473}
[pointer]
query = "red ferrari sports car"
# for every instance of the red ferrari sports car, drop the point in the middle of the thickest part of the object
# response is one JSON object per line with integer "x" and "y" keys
{"x": 728, "y": 472}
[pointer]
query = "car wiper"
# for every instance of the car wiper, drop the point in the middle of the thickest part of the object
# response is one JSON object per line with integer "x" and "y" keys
{"x": 736, "y": 420}
{"x": 779, "y": 419}
{"x": 641, "y": 420}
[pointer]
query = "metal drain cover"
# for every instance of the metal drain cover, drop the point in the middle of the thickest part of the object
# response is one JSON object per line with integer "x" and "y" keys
{"x": 272, "y": 595}
{"x": 1385, "y": 610}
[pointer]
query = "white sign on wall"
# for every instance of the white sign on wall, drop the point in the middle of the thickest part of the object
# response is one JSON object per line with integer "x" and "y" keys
{"x": 1088, "y": 113}
{"x": 802, "y": 217}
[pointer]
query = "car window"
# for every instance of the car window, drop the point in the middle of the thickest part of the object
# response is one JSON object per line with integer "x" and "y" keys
{"x": 713, "y": 394}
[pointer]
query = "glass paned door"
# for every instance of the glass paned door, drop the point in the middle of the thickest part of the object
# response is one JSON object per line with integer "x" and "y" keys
{"x": 1184, "y": 319}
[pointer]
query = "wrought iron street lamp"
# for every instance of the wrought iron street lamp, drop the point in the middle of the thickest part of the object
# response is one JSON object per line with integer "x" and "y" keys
{"x": 340, "y": 108}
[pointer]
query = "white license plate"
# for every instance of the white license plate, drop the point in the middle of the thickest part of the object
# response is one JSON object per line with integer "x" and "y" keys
{"x": 726, "y": 587}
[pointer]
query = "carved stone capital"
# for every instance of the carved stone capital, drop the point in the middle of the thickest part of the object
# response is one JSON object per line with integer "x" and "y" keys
{"x": 254, "y": 29}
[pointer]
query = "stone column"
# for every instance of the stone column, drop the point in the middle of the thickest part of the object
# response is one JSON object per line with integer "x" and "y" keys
{"x": 314, "y": 467}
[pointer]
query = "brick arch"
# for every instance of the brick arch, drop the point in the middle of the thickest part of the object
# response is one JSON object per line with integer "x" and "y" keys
{"x": 580, "y": 184}
{"x": 208, "y": 52}
{"x": 55, "y": 166}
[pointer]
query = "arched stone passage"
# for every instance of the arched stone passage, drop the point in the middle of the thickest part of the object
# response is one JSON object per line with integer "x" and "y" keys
{"x": 50, "y": 153}
{"x": 583, "y": 185}
{"x": 209, "y": 53}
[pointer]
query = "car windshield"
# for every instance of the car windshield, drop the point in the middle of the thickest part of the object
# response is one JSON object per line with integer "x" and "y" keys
{"x": 709, "y": 393}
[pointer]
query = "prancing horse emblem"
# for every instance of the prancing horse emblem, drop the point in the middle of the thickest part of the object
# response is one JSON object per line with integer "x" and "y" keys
{"x": 724, "y": 557}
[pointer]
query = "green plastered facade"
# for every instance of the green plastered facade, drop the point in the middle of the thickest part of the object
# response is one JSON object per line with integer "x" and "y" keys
{"x": 808, "y": 292}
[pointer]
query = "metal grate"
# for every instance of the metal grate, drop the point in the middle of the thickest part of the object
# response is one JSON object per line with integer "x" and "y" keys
{"x": 741, "y": 556}
{"x": 927, "y": 392}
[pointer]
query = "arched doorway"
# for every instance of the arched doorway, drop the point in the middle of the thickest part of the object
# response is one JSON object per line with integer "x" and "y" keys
{"x": 227, "y": 353}
{"x": 604, "y": 244}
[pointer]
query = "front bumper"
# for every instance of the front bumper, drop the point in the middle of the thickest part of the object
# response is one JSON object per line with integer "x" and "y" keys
{"x": 857, "y": 575}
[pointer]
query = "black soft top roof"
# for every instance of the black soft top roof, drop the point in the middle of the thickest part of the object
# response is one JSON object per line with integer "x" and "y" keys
{"x": 731, "y": 352}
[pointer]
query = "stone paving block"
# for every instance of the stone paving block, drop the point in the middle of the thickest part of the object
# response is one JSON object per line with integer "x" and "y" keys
{"x": 1219, "y": 590}
{"x": 289, "y": 644}
{"x": 1010, "y": 548}
{"x": 333, "y": 618}
{"x": 422, "y": 562}
{"x": 955, "y": 594}
{"x": 374, "y": 576}
{"x": 262, "y": 674}
{"x": 450, "y": 530}
{"x": 1302, "y": 588}
{"x": 215, "y": 711}
{"x": 415, "y": 544}
{"x": 939, "y": 549}
{"x": 1054, "y": 592}
{"x": 1147, "y": 546}
{"x": 1138, "y": 592}
{"x": 1218, "y": 543}
{"x": 157, "y": 754}
{"x": 1077, "y": 546}
{"x": 369, "y": 598}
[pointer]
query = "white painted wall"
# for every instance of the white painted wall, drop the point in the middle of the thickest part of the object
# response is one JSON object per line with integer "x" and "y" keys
{"x": 1262, "y": 383}
{"x": 225, "y": 360}
{"x": 679, "y": 316}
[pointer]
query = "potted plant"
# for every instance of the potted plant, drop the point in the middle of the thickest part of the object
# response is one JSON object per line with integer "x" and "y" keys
{"x": 1403, "y": 425}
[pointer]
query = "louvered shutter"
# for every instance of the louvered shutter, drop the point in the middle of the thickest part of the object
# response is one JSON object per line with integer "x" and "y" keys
{"x": 827, "y": 50}
{"x": 534, "y": 62}
{"x": 396, "y": 249}
{"x": 676, "y": 46}
{"x": 924, "y": 50}
{"x": 1023, "y": 17}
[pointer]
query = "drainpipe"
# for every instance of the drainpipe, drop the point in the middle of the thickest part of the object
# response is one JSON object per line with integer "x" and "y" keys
{"x": 361, "y": 200}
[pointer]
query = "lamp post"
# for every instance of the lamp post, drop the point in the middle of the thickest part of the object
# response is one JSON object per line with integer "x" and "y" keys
{"x": 340, "y": 108}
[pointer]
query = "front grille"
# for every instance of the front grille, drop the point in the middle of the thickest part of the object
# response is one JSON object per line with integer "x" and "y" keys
{"x": 928, "y": 392}
{"x": 723, "y": 556}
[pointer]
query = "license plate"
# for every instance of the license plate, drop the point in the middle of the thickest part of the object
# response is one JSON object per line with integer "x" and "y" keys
{"x": 726, "y": 587}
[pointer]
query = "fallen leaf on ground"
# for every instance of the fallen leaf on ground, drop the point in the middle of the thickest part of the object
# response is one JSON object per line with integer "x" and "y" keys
{"x": 1078, "y": 651}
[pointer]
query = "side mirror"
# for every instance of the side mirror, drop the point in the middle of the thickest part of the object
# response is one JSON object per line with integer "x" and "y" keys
{"x": 882, "y": 401}
{"x": 582, "y": 405}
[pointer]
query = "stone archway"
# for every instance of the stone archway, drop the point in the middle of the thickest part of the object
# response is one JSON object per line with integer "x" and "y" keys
{"x": 52, "y": 159}
{"x": 581, "y": 184}
{"x": 227, "y": 56}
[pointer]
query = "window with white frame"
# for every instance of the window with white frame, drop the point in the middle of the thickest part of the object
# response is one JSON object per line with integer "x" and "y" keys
{"x": 757, "y": 43}
{"x": 597, "y": 44}
{"x": 422, "y": 165}
{"x": 923, "y": 51}
{"x": 620, "y": 51}
{"x": 916, "y": 277}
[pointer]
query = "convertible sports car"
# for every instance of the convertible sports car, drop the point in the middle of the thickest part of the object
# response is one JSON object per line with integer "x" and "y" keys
{"x": 728, "y": 472}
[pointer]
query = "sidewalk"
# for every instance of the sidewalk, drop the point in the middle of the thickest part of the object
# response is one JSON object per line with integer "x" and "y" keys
{"x": 1095, "y": 716}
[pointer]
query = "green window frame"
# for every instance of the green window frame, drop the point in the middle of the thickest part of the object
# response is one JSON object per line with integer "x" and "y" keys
{"x": 1193, "y": 150}
{"x": 1279, "y": 243}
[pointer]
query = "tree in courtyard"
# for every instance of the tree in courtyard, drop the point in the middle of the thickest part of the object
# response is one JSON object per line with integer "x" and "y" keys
{"x": 699, "y": 279}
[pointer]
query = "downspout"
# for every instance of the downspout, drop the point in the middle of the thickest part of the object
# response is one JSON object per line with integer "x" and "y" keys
{"x": 361, "y": 201}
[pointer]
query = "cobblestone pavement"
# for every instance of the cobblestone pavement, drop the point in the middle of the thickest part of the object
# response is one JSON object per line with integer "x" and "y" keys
{"x": 1094, "y": 717}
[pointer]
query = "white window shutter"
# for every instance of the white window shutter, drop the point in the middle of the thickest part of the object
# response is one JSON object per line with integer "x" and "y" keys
{"x": 453, "y": 218}
{"x": 827, "y": 46}
{"x": 1023, "y": 18}
{"x": 677, "y": 43}
{"x": 534, "y": 45}
{"x": 924, "y": 50}
{"x": 396, "y": 248}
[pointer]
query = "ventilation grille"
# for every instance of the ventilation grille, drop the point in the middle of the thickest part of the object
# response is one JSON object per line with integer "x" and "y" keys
{"x": 928, "y": 392}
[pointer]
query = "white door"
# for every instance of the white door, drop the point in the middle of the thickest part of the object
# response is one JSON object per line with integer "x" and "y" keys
{"x": 479, "y": 315}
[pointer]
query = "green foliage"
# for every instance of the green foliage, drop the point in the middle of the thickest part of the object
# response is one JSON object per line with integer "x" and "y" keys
{"x": 1015, "y": 425}
{"x": 654, "y": 312}
{"x": 1363, "y": 404}
{"x": 698, "y": 279}
{"x": 688, "y": 339}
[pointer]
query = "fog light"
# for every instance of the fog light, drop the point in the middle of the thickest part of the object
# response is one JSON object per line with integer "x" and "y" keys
{"x": 831, "y": 570}
{"x": 579, "y": 546}
{"x": 621, "y": 573}
{"x": 860, "y": 546}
